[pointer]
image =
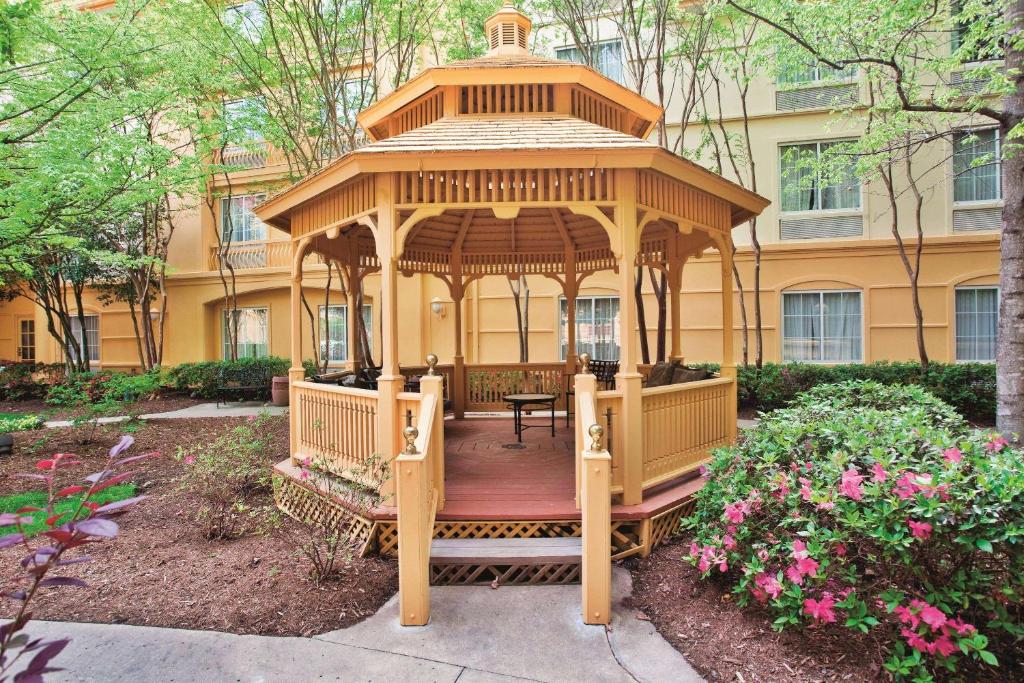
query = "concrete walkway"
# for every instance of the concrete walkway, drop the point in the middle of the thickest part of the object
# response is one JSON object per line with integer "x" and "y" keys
{"x": 200, "y": 410}
{"x": 476, "y": 635}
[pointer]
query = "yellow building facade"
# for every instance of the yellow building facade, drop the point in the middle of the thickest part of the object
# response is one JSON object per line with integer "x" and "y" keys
{"x": 833, "y": 288}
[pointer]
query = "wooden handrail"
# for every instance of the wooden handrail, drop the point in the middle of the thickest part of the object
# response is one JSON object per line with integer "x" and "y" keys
{"x": 487, "y": 383}
{"x": 682, "y": 424}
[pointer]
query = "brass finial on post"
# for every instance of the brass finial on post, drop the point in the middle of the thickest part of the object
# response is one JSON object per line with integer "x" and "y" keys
{"x": 411, "y": 434}
{"x": 431, "y": 364}
{"x": 596, "y": 432}
{"x": 584, "y": 363}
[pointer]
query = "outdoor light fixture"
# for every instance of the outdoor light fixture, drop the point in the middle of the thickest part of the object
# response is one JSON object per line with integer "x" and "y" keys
{"x": 438, "y": 307}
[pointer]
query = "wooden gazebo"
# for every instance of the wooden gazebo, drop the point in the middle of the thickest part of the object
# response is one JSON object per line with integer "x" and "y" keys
{"x": 505, "y": 165}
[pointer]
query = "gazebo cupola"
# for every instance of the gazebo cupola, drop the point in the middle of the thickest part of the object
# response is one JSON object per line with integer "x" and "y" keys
{"x": 508, "y": 32}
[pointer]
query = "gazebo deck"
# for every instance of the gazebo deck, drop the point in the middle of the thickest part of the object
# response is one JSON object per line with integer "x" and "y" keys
{"x": 484, "y": 480}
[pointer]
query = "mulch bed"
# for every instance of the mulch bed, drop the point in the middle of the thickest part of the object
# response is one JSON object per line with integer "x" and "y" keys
{"x": 725, "y": 642}
{"x": 160, "y": 404}
{"x": 161, "y": 571}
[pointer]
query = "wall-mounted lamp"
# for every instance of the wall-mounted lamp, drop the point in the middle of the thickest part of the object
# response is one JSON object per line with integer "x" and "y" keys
{"x": 439, "y": 307}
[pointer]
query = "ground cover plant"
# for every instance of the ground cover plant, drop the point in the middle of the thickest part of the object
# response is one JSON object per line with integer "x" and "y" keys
{"x": 875, "y": 508}
{"x": 19, "y": 422}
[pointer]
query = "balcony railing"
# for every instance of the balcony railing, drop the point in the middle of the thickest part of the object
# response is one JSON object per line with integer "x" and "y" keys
{"x": 256, "y": 156}
{"x": 249, "y": 255}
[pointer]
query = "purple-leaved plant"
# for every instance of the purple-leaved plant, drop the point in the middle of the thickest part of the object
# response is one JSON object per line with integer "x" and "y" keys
{"x": 45, "y": 553}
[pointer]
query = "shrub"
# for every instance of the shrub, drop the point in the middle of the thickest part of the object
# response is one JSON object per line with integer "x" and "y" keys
{"x": 202, "y": 379}
{"x": 225, "y": 473}
{"x": 968, "y": 387}
{"x": 12, "y": 422}
{"x": 877, "y": 508}
{"x": 21, "y": 381}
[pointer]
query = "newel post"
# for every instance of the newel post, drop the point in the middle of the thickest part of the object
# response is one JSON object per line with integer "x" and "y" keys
{"x": 412, "y": 495}
{"x": 728, "y": 335}
{"x": 296, "y": 373}
{"x": 596, "y": 572}
{"x": 585, "y": 385}
{"x": 433, "y": 383}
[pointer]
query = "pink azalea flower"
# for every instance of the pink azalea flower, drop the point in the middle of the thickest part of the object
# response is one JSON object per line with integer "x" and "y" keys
{"x": 961, "y": 627}
{"x": 190, "y": 460}
{"x": 878, "y": 473}
{"x": 932, "y": 616}
{"x": 768, "y": 584}
{"x": 735, "y": 512}
{"x": 952, "y": 455}
{"x": 723, "y": 566}
{"x": 762, "y": 555}
{"x": 920, "y": 530}
{"x": 799, "y": 549}
{"x": 805, "y": 489}
{"x": 728, "y": 542}
{"x": 996, "y": 443}
{"x": 807, "y": 566}
{"x": 944, "y": 646}
{"x": 850, "y": 484}
{"x": 703, "y": 565}
{"x": 827, "y": 505}
{"x": 807, "y": 465}
{"x": 914, "y": 640}
{"x": 694, "y": 550}
{"x": 794, "y": 575}
{"x": 306, "y": 462}
{"x": 906, "y": 615}
{"x": 821, "y": 610}
{"x": 304, "y": 474}
{"x": 840, "y": 550}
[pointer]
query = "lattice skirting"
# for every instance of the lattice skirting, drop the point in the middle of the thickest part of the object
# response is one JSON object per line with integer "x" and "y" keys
{"x": 666, "y": 524}
{"x": 503, "y": 575}
{"x": 311, "y": 507}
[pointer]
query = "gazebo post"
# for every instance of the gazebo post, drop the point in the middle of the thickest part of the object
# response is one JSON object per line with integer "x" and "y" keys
{"x": 628, "y": 380}
{"x": 352, "y": 304}
{"x": 390, "y": 381}
{"x": 296, "y": 373}
{"x": 724, "y": 244}
{"x": 675, "y": 285}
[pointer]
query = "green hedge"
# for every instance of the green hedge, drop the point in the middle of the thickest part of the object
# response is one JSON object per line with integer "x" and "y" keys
{"x": 968, "y": 387}
{"x": 201, "y": 379}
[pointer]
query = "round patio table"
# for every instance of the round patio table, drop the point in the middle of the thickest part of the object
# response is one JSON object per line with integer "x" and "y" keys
{"x": 520, "y": 401}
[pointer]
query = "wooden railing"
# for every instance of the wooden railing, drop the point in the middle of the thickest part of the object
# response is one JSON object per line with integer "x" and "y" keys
{"x": 445, "y": 371}
{"x": 254, "y": 156}
{"x": 248, "y": 255}
{"x": 336, "y": 429}
{"x": 419, "y": 483}
{"x": 608, "y": 413}
{"x": 593, "y": 476}
{"x": 682, "y": 423}
{"x": 487, "y": 384}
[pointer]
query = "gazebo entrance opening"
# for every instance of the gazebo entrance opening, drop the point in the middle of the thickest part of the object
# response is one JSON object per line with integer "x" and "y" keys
{"x": 497, "y": 167}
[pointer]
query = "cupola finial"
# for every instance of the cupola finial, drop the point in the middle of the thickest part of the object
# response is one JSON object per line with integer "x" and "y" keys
{"x": 508, "y": 31}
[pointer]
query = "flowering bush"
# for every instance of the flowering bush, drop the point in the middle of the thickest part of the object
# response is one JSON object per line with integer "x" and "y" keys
{"x": 87, "y": 522}
{"x": 224, "y": 473}
{"x": 875, "y": 507}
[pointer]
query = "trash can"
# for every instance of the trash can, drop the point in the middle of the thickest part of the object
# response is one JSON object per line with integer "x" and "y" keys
{"x": 279, "y": 391}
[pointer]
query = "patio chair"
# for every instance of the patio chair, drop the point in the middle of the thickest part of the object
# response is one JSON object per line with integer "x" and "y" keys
{"x": 603, "y": 370}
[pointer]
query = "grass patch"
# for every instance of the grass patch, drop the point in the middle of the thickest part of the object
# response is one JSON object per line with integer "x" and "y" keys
{"x": 64, "y": 506}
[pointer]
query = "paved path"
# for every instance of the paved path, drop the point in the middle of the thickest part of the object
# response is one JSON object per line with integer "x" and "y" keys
{"x": 199, "y": 410}
{"x": 476, "y": 635}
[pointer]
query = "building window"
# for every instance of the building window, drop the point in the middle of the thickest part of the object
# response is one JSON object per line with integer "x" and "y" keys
{"x": 818, "y": 176}
{"x": 822, "y": 327}
{"x": 334, "y": 331}
{"x": 92, "y": 335}
{"x": 977, "y": 170}
{"x": 243, "y": 120}
{"x": 354, "y": 95}
{"x": 814, "y": 72}
{"x": 977, "y": 323}
{"x": 605, "y": 56}
{"x": 982, "y": 45}
{"x": 238, "y": 223}
{"x": 247, "y": 18}
{"x": 27, "y": 341}
{"x": 253, "y": 327}
{"x": 597, "y": 327}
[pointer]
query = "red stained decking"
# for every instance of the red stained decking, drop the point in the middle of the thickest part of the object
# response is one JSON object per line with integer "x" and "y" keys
{"x": 485, "y": 480}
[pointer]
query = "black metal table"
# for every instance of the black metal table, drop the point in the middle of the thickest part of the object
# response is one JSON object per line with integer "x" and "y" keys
{"x": 521, "y": 401}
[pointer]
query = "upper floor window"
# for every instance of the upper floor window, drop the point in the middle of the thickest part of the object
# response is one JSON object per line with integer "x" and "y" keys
{"x": 243, "y": 118}
{"x": 977, "y": 169}
{"x": 818, "y": 176}
{"x": 980, "y": 33}
{"x": 252, "y": 327}
{"x": 92, "y": 335}
{"x": 334, "y": 331}
{"x": 977, "y": 323}
{"x": 597, "y": 327}
{"x": 238, "y": 223}
{"x": 823, "y": 327}
{"x": 605, "y": 56}
{"x": 814, "y": 72}
{"x": 247, "y": 18}
{"x": 355, "y": 95}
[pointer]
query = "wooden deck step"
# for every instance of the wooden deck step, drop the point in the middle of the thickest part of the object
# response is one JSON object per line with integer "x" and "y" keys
{"x": 503, "y": 551}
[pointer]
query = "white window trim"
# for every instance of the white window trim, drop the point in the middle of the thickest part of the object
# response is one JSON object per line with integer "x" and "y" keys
{"x": 224, "y": 323}
{"x": 810, "y": 213}
{"x": 999, "y": 296}
{"x": 225, "y": 207}
{"x": 558, "y": 320}
{"x": 599, "y": 43}
{"x": 782, "y": 325}
{"x": 977, "y": 203}
{"x": 348, "y": 356}
{"x": 99, "y": 337}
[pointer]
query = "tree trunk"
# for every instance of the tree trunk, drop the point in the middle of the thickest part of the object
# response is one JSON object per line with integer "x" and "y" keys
{"x": 641, "y": 316}
{"x": 1010, "y": 347}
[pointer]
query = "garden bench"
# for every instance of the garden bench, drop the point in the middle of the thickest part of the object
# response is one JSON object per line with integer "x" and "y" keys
{"x": 240, "y": 382}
